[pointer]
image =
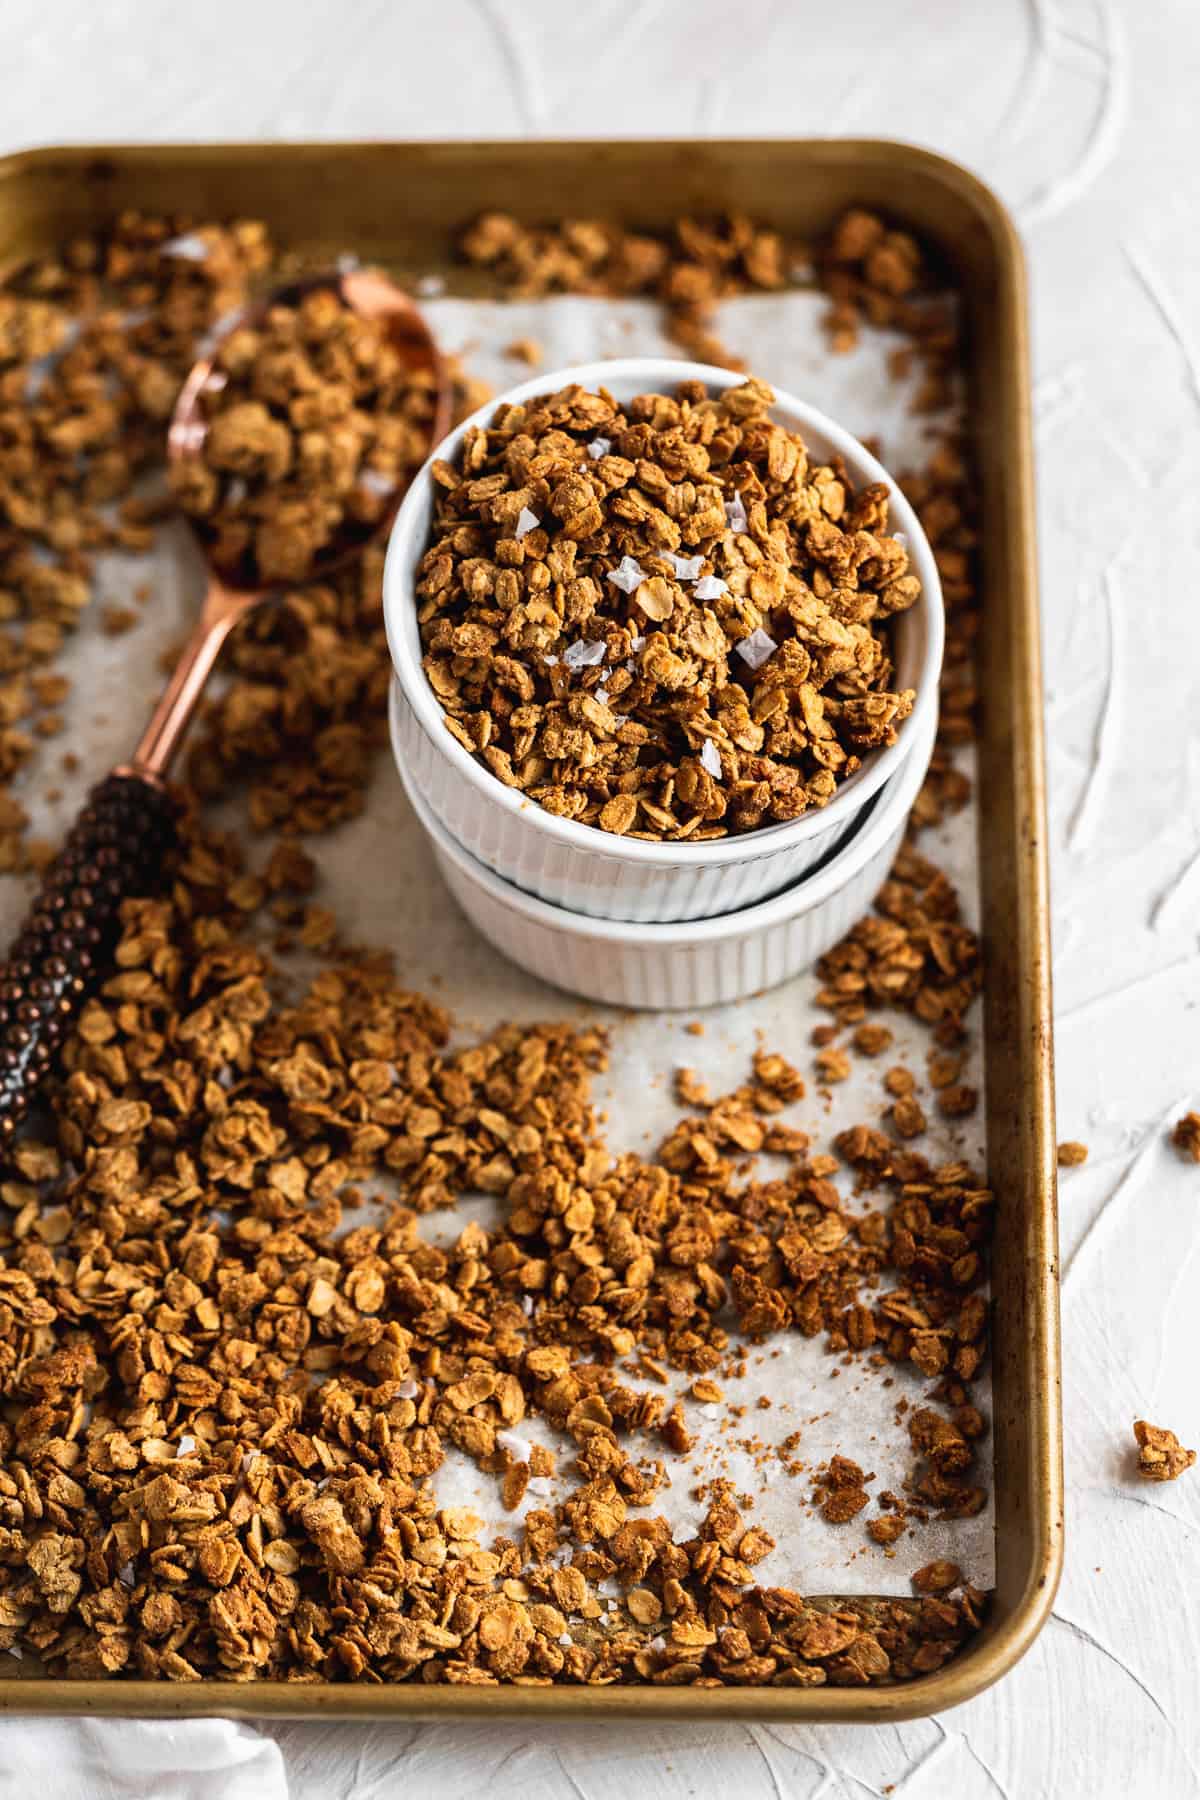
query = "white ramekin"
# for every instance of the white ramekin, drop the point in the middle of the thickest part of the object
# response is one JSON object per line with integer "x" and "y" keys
{"x": 692, "y": 963}
{"x": 578, "y": 866}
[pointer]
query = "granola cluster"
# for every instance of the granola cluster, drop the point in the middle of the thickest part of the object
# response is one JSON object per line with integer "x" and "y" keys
{"x": 312, "y": 422}
{"x": 661, "y": 618}
{"x": 1161, "y": 1456}
{"x": 689, "y": 269}
{"x": 227, "y": 1397}
{"x": 94, "y": 343}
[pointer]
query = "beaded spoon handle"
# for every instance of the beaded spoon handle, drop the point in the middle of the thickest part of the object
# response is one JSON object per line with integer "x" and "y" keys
{"x": 120, "y": 842}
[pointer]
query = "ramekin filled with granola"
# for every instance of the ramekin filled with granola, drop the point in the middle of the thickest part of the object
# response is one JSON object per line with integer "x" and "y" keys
{"x": 660, "y": 634}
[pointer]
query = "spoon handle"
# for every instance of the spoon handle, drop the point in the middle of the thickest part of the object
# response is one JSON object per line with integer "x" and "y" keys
{"x": 115, "y": 850}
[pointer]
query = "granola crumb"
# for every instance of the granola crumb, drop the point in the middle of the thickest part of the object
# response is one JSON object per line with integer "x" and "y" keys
{"x": 1161, "y": 1457}
{"x": 1071, "y": 1154}
{"x": 1186, "y": 1136}
{"x": 525, "y": 350}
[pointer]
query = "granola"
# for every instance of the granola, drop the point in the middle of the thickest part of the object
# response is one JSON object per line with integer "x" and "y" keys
{"x": 226, "y": 1395}
{"x": 313, "y": 421}
{"x": 228, "y": 1399}
{"x": 1186, "y": 1136}
{"x": 1161, "y": 1457}
{"x": 661, "y": 619}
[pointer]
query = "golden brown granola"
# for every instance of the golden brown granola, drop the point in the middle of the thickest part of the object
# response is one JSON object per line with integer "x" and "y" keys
{"x": 1186, "y": 1135}
{"x": 313, "y": 422}
{"x": 1071, "y": 1154}
{"x": 689, "y": 269}
{"x": 225, "y": 1406}
{"x": 1161, "y": 1457}
{"x": 223, "y": 1409}
{"x": 660, "y": 618}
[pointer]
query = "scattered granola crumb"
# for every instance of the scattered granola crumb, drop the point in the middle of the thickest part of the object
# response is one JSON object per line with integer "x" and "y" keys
{"x": 1186, "y": 1135}
{"x": 1161, "y": 1457}
{"x": 526, "y": 350}
{"x": 937, "y": 1578}
{"x": 1071, "y": 1154}
{"x": 115, "y": 621}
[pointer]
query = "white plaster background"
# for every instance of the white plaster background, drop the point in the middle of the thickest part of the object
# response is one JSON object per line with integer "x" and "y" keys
{"x": 1082, "y": 114}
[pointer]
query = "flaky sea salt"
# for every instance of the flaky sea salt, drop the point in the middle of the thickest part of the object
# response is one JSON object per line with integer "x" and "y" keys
{"x": 628, "y": 575}
{"x": 710, "y": 587}
{"x": 247, "y": 1460}
{"x": 347, "y": 262}
{"x": 898, "y": 537}
{"x": 16, "y": 1650}
{"x": 527, "y": 1305}
{"x": 515, "y": 1444}
{"x": 127, "y": 1574}
{"x": 710, "y": 758}
{"x": 637, "y": 643}
{"x": 191, "y": 247}
{"x": 407, "y": 1389}
{"x": 430, "y": 286}
{"x": 186, "y": 1446}
{"x": 565, "y": 1639}
{"x": 735, "y": 514}
{"x": 585, "y": 653}
{"x": 376, "y": 482}
{"x": 599, "y": 446}
{"x": 756, "y": 648}
{"x": 551, "y": 662}
{"x": 687, "y": 568}
{"x": 526, "y": 522}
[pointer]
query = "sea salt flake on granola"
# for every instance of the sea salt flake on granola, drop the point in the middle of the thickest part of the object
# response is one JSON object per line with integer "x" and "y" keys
{"x": 376, "y": 482}
{"x": 584, "y": 653}
{"x": 186, "y": 1446}
{"x": 599, "y": 446}
{"x": 191, "y": 247}
{"x": 430, "y": 286}
{"x": 687, "y": 568}
{"x": 526, "y": 522}
{"x": 710, "y": 587}
{"x": 628, "y": 575}
{"x": 735, "y": 514}
{"x": 16, "y": 1650}
{"x": 127, "y": 1574}
{"x": 756, "y": 648}
{"x": 710, "y": 758}
{"x": 637, "y": 643}
{"x": 515, "y": 1444}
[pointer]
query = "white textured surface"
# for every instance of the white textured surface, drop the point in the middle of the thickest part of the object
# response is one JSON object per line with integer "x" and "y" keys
{"x": 1081, "y": 113}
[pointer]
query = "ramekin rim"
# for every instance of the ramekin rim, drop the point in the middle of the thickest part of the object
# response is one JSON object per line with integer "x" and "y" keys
{"x": 887, "y": 813}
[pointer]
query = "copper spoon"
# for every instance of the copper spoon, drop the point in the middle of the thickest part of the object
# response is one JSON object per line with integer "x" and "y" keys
{"x": 118, "y": 843}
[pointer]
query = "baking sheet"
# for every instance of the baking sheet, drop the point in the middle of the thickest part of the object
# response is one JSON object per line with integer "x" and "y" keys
{"x": 848, "y": 1409}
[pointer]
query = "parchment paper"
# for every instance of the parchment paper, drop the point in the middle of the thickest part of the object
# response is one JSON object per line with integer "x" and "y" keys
{"x": 380, "y": 878}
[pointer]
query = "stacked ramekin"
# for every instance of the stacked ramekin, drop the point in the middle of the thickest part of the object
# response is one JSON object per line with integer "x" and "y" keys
{"x": 630, "y": 922}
